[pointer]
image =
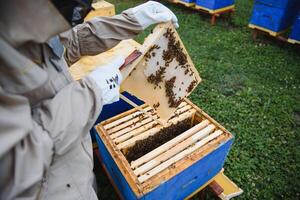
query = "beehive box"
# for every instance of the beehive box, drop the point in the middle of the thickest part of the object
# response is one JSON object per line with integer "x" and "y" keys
{"x": 101, "y": 9}
{"x": 188, "y": 1}
{"x": 146, "y": 161}
{"x": 278, "y": 3}
{"x": 214, "y": 4}
{"x": 274, "y": 15}
{"x": 295, "y": 34}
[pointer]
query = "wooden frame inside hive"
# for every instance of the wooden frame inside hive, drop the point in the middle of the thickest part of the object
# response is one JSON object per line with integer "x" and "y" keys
{"x": 121, "y": 132}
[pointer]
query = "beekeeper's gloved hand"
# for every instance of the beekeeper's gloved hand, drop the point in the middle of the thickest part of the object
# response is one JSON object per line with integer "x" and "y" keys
{"x": 152, "y": 13}
{"x": 109, "y": 78}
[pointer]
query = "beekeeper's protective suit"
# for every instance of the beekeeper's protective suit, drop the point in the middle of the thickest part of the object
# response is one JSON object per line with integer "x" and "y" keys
{"x": 45, "y": 116}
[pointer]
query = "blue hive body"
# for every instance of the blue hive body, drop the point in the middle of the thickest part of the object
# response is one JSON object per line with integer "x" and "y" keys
{"x": 295, "y": 34}
{"x": 189, "y": 1}
{"x": 274, "y": 15}
{"x": 181, "y": 184}
{"x": 214, "y": 4}
{"x": 278, "y": 3}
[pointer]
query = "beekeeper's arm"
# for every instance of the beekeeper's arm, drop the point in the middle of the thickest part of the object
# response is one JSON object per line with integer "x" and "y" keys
{"x": 30, "y": 136}
{"x": 102, "y": 33}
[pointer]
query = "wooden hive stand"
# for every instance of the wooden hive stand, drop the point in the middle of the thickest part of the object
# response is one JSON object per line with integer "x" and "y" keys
{"x": 214, "y": 13}
{"x": 293, "y": 41}
{"x": 222, "y": 187}
{"x": 280, "y": 36}
{"x": 257, "y": 30}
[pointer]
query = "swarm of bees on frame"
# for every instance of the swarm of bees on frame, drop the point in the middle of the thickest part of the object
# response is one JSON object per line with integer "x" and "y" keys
{"x": 173, "y": 51}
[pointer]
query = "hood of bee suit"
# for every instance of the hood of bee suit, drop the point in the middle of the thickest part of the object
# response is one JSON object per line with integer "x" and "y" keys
{"x": 30, "y": 20}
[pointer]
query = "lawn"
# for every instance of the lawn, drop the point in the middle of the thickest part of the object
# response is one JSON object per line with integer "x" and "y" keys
{"x": 253, "y": 89}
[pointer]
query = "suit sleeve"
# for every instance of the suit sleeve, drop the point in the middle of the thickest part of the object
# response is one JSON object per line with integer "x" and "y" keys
{"x": 71, "y": 113}
{"x": 30, "y": 137}
{"x": 98, "y": 35}
{"x": 25, "y": 149}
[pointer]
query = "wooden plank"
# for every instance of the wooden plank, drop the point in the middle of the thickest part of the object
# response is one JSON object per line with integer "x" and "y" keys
{"x": 198, "y": 118}
{"x": 141, "y": 109}
{"x": 216, "y": 188}
{"x": 136, "y": 132}
{"x": 127, "y": 132}
{"x": 168, "y": 145}
{"x": 121, "y": 118}
{"x": 151, "y": 132}
{"x": 230, "y": 188}
{"x": 111, "y": 122}
{"x": 174, "y": 150}
{"x": 125, "y": 121}
{"x": 150, "y": 93}
{"x": 112, "y": 127}
{"x": 135, "y": 122}
{"x": 181, "y": 110}
{"x": 179, "y": 156}
{"x": 102, "y": 9}
{"x": 200, "y": 113}
{"x": 117, "y": 132}
{"x": 139, "y": 128}
{"x": 292, "y": 41}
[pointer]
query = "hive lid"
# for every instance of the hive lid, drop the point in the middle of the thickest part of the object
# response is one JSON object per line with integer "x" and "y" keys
{"x": 164, "y": 74}
{"x": 87, "y": 64}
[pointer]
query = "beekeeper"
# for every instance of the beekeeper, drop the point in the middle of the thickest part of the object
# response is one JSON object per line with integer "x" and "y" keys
{"x": 45, "y": 116}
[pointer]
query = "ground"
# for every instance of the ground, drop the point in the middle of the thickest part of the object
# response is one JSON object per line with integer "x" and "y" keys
{"x": 253, "y": 89}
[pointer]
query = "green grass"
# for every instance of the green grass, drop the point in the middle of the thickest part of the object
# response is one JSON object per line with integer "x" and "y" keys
{"x": 252, "y": 88}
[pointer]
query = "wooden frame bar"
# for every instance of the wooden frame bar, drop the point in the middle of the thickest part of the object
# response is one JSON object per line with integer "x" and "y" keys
{"x": 174, "y": 150}
{"x": 142, "y": 126}
{"x": 147, "y": 157}
{"x": 146, "y": 134}
{"x": 179, "y": 156}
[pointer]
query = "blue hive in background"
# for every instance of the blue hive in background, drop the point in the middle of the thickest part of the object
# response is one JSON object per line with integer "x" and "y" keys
{"x": 295, "y": 34}
{"x": 214, "y": 4}
{"x": 278, "y": 3}
{"x": 188, "y": 1}
{"x": 274, "y": 15}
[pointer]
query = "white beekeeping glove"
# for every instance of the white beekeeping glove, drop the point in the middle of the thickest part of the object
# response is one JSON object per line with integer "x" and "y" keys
{"x": 108, "y": 78}
{"x": 152, "y": 13}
